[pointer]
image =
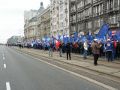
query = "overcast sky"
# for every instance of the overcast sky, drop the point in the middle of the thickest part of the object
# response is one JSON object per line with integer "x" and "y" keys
{"x": 12, "y": 16}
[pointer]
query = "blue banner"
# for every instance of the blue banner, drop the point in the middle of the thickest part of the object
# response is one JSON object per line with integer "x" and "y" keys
{"x": 118, "y": 35}
{"x": 103, "y": 31}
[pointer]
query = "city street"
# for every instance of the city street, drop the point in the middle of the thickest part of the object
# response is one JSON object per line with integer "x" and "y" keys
{"x": 60, "y": 45}
{"x": 21, "y": 72}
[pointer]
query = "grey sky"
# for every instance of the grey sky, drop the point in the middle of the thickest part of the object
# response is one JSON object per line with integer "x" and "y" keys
{"x": 12, "y": 16}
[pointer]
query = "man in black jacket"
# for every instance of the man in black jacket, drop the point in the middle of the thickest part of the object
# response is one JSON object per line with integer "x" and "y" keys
{"x": 68, "y": 51}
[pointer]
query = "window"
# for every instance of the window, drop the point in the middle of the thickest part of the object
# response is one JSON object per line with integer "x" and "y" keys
{"x": 89, "y": 25}
{"x": 110, "y": 4}
{"x": 116, "y": 3}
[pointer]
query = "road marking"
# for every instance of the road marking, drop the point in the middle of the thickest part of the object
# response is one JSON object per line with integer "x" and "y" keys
{"x": 3, "y": 57}
{"x": 5, "y": 66}
{"x": 8, "y": 86}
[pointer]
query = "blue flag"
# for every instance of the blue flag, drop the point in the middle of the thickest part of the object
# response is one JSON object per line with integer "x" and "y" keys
{"x": 75, "y": 36}
{"x": 71, "y": 39}
{"x": 103, "y": 31}
{"x": 89, "y": 36}
{"x": 118, "y": 35}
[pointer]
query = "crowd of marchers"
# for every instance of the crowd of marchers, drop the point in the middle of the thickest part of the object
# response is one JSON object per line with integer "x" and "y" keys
{"x": 109, "y": 50}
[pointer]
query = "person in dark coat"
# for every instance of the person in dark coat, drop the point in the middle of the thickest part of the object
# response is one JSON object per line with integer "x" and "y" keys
{"x": 68, "y": 51}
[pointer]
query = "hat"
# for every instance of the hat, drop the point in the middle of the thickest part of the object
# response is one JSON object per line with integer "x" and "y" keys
{"x": 95, "y": 40}
{"x": 108, "y": 39}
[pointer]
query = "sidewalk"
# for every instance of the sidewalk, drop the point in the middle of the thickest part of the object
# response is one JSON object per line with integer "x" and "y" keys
{"x": 109, "y": 68}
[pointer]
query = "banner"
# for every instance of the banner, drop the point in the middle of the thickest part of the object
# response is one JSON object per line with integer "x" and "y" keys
{"x": 103, "y": 31}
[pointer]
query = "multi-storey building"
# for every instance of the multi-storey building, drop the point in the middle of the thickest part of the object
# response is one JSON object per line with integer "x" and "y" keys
{"x": 59, "y": 17}
{"x": 90, "y": 15}
{"x": 30, "y": 27}
{"x": 44, "y": 24}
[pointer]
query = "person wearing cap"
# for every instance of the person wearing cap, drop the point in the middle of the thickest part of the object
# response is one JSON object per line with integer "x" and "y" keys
{"x": 96, "y": 45}
{"x": 109, "y": 50}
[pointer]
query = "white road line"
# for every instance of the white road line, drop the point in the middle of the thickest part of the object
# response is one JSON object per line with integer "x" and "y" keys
{"x": 5, "y": 66}
{"x": 8, "y": 86}
{"x": 3, "y": 57}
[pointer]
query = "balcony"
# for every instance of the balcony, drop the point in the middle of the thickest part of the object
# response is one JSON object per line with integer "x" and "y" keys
{"x": 72, "y": 1}
{"x": 80, "y": 9}
{"x": 96, "y": 1}
{"x": 110, "y": 10}
{"x": 87, "y": 5}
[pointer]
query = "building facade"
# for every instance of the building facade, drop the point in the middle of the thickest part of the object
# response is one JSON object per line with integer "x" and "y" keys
{"x": 44, "y": 24}
{"x": 30, "y": 29}
{"x": 31, "y": 23}
{"x": 54, "y": 15}
{"x": 59, "y": 12}
{"x": 90, "y": 15}
{"x": 64, "y": 17}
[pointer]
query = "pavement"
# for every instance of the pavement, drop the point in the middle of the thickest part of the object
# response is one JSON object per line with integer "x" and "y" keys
{"x": 109, "y": 68}
{"x": 19, "y": 71}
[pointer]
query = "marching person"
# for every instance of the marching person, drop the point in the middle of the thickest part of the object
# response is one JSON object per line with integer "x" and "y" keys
{"x": 96, "y": 50}
{"x": 51, "y": 49}
{"x": 60, "y": 49}
{"x": 109, "y": 50}
{"x": 85, "y": 45}
{"x": 68, "y": 51}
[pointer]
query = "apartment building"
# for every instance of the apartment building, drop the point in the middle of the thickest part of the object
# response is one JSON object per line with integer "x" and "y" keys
{"x": 31, "y": 23}
{"x": 90, "y": 15}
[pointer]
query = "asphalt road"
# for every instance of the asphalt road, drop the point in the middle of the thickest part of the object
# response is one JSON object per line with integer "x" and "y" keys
{"x": 21, "y": 72}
